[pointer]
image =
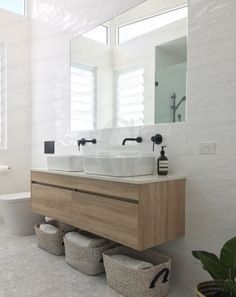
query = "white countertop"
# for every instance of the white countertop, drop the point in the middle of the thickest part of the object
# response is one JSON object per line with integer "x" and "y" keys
{"x": 131, "y": 180}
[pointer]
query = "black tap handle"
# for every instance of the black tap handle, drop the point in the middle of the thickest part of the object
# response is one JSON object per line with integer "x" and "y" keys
{"x": 78, "y": 143}
{"x": 156, "y": 139}
{"x": 83, "y": 141}
{"x": 139, "y": 139}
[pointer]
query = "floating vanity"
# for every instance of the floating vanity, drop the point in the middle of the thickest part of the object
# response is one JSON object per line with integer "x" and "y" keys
{"x": 139, "y": 212}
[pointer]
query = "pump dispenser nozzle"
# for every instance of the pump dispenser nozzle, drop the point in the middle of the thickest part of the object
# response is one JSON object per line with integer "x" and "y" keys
{"x": 162, "y": 162}
{"x": 162, "y": 150}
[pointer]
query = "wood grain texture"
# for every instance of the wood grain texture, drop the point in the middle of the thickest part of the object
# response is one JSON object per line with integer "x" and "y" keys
{"x": 161, "y": 213}
{"x": 110, "y": 218}
{"x": 53, "y": 202}
{"x": 53, "y": 179}
{"x": 114, "y": 189}
{"x": 151, "y": 214}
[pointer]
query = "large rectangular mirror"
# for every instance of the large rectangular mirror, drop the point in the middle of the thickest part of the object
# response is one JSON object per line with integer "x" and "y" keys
{"x": 131, "y": 71}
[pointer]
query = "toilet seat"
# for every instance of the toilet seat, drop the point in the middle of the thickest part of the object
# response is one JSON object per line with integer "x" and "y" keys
{"x": 15, "y": 197}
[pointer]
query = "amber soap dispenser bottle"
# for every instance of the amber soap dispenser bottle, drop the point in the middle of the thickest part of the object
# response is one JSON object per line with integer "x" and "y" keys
{"x": 162, "y": 163}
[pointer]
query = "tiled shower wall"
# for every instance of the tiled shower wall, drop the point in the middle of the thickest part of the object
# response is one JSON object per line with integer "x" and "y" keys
{"x": 211, "y": 116}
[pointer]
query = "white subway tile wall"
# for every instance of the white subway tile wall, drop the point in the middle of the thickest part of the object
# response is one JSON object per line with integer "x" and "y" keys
{"x": 15, "y": 34}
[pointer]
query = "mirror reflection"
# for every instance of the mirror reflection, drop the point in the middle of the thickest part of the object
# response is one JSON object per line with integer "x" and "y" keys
{"x": 131, "y": 71}
{"x": 170, "y": 84}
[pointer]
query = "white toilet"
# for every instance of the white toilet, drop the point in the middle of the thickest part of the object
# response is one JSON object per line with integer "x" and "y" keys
{"x": 17, "y": 213}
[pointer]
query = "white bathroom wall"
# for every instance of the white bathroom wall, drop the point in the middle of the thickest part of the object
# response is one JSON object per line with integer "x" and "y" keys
{"x": 14, "y": 31}
{"x": 211, "y": 105}
{"x": 211, "y": 179}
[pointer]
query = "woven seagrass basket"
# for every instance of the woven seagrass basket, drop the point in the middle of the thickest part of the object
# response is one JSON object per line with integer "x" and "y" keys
{"x": 62, "y": 226}
{"x": 87, "y": 260}
{"x": 208, "y": 289}
{"x": 52, "y": 243}
{"x": 153, "y": 282}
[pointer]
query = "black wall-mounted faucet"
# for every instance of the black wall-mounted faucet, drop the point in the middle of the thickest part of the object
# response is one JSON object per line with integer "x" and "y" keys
{"x": 137, "y": 139}
{"x": 83, "y": 141}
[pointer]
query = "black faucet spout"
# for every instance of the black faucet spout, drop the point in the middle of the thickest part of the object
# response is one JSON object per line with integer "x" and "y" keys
{"x": 137, "y": 139}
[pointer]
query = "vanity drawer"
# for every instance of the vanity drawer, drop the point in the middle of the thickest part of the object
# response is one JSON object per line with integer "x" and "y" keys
{"x": 110, "y": 218}
{"x": 52, "y": 201}
{"x": 110, "y": 188}
{"x": 53, "y": 179}
{"x": 114, "y": 189}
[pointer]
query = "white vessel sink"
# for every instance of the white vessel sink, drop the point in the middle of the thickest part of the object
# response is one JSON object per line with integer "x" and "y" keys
{"x": 122, "y": 165}
{"x": 65, "y": 162}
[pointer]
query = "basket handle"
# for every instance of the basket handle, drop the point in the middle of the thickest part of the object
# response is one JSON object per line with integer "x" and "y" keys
{"x": 166, "y": 272}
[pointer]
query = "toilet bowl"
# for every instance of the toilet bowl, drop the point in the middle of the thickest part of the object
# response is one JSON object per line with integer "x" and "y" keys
{"x": 17, "y": 213}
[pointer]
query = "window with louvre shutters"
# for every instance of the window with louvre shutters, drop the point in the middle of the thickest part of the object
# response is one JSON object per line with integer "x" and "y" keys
{"x": 83, "y": 97}
{"x": 130, "y": 97}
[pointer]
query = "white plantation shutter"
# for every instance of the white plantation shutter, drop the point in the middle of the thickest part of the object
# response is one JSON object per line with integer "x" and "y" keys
{"x": 2, "y": 96}
{"x": 130, "y": 98}
{"x": 83, "y": 97}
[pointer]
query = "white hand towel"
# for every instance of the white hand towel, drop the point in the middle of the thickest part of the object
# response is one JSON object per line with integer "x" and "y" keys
{"x": 49, "y": 229}
{"x": 131, "y": 262}
{"x": 62, "y": 226}
{"x": 84, "y": 239}
{"x": 49, "y": 219}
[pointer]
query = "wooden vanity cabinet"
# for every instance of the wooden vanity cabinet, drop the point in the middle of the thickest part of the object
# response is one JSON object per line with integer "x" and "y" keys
{"x": 51, "y": 201}
{"x": 136, "y": 215}
{"x": 110, "y": 218}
